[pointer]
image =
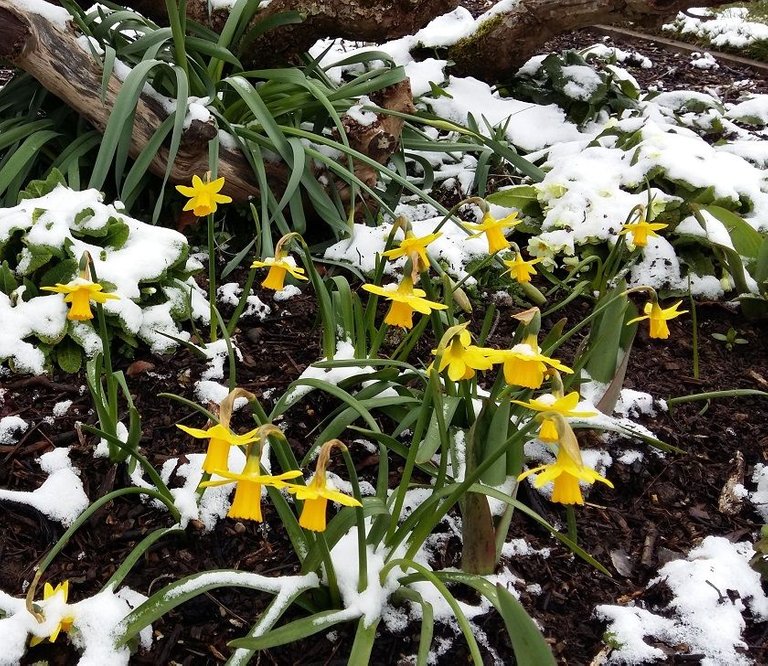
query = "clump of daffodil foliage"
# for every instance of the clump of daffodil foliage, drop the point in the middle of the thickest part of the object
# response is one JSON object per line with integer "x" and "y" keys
{"x": 142, "y": 278}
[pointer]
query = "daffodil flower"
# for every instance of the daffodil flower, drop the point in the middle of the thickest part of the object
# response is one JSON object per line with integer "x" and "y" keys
{"x": 405, "y": 299}
{"x": 221, "y": 439}
{"x": 278, "y": 267}
{"x": 494, "y": 230}
{"x": 204, "y": 195}
{"x": 548, "y": 405}
{"x": 658, "y": 318}
{"x": 317, "y": 492}
{"x": 247, "y": 502}
{"x": 566, "y": 474}
{"x": 414, "y": 248}
{"x": 315, "y": 496}
{"x": 462, "y": 358}
{"x": 80, "y": 292}
{"x": 524, "y": 364}
{"x": 640, "y": 231}
{"x": 55, "y": 596}
{"x": 520, "y": 269}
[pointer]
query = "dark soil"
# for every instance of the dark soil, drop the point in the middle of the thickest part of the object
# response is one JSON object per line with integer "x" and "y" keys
{"x": 661, "y": 506}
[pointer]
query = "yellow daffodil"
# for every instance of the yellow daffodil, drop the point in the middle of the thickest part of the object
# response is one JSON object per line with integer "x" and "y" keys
{"x": 80, "y": 292}
{"x": 247, "y": 502}
{"x": 316, "y": 494}
{"x": 520, "y": 269}
{"x": 549, "y": 405}
{"x": 58, "y": 596}
{"x": 658, "y": 318}
{"x": 221, "y": 439}
{"x": 462, "y": 358}
{"x": 204, "y": 195}
{"x": 278, "y": 267}
{"x": 415, "y": 249}
{"x": 640, "y": 231}
{"x": 524, "y": 364}
{"x": 405, "y": 299}
{"x": 566, "y": 474}
{"x": 494, "y": 230}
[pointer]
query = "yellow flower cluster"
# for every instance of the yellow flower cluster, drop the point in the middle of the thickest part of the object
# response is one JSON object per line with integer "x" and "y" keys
{"x": 246, "y": 504}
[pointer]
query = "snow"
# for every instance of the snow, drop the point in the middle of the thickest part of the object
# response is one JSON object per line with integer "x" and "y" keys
{"x": 61, "y": 497}
{"x": 753, "y": 111}
{"x": 56, "y": 15}
{"x": 726, "y": 28}
{"x": 52, "y": 221}
{"x": 711, "y": 590}
{"x": 11, "y": 427}
{"x": 61, "y": 408}
{"x": 760, "y": 496}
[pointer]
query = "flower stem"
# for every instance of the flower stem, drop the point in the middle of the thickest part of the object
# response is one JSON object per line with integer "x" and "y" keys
{"x": 212, "y": 276}
{"x": 570, "y": 514}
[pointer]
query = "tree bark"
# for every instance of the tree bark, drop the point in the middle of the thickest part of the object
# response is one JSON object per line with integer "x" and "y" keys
{"x": 505, "y": 41}
{"x": 35, "y": 45}
{"x": 54, "y": 57}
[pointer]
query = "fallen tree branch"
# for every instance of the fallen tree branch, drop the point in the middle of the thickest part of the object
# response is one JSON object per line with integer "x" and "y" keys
{"x": 503, "y": 42}
{"x": 52, "y": 54}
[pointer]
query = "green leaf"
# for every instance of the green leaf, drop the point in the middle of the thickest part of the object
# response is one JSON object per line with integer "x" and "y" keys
{"x": 519, "y": 196}
{"x": 117, "y": 233}
{"x": 746, "y": 240}
{"x": 189, "y": 587}
{"x": 294, "y": 631}
{"x": 527, "y": 641}
{"x": 60, "y": 273}
{"x": 39, "y": 188}
{"x": 7, "y": 280}
{"x": 69, "y": 356}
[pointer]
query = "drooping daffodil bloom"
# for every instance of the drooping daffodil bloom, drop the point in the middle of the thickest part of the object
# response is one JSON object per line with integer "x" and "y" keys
{"x": 318, "y": 491}
{"x": 548, "y": 405}
{"x": 79, "y": 293}
{"x": 218, "y": 448}
{"x": 278, "y": 267}
{"x": 461, "y": 357}
{"x": 405, "y": 299}
{"x": 55, "y": 601}
{"x": 658, "y": 318}
{"x": 204, "y": 195}
{"x": 494, "y": 230}
{"x": 415, "y": 249}
{"x": 566, "y": 474}
{"x": 247, "y": 502}
{"x": 641, "y": 230}
{"x": 520, "y": 269}
{"x": 524, "y": 364}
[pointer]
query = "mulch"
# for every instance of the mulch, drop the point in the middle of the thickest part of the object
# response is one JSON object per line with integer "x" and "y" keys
{"x": 661, "y": 506}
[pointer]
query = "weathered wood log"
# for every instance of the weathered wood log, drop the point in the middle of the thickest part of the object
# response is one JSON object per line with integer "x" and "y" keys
{"x": 505, "y": 41}
{"x": 35, "y": 44}
{"x": 51, "y": 53}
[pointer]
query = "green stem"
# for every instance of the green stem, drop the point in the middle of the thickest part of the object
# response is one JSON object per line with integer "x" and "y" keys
{"x": 212, "y": 276}
{"x": 573, "y": 533}
{"x": 330, "y": 572}
{"x": 143, "y": 546}
{"x": 362, "y": 552}
{"x": 241, "y": 303}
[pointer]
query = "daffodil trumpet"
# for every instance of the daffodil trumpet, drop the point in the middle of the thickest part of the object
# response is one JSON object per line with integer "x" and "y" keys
{"x": 54, "y": 599}
{"x": 459, "y": 356}
{"x": 246, "y": 504}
